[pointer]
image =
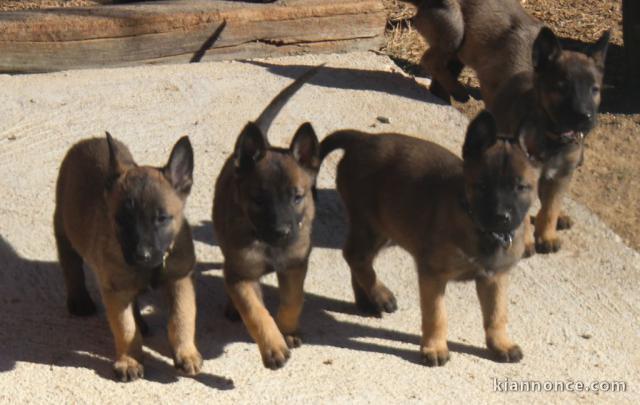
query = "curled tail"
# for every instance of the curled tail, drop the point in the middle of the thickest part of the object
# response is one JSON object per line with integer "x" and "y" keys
{"x": 339, "y": 140}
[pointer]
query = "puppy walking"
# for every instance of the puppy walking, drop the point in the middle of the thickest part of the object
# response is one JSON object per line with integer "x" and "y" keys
{"x": 126, "y": 223}
{"x": 460, "y": 220}
{"x": 262, "y": 214}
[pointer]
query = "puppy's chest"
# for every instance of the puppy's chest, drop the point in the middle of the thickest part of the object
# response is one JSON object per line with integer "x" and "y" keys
{"x": 561, "y": 162}
{"x": 466, "y": 265}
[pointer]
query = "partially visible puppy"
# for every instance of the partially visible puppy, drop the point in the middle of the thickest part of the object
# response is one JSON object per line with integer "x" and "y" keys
{"x": 557, "y": 102}
{"x": 262, "y": 214}
{"x": 126, "y": 222}
{"x": 459, "y": 219}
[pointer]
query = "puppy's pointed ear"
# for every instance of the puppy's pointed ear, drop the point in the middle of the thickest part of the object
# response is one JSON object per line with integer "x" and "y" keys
{"x": 116, "y": 163}
{"x": 179, "y": 168}
{"x": 305, "y": 147}
{"x": 598, "y": 51}
{"x": 530, "y": 143}
{"x": 250, "y": 148}
{"x": 481, "y": 135}
{"x": 546, "y": 49}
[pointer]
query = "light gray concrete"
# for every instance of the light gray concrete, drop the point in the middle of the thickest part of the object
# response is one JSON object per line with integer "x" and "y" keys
{"x": 574, "y": 313}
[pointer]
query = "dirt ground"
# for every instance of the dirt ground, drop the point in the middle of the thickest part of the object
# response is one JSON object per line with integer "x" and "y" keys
{"x": 608, "y": 182}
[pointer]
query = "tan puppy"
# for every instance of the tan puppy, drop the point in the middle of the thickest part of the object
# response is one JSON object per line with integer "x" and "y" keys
{"x": 494, "y": 37}
{"x": 126, "y": 223}
{"x": 461, "y": 220}
{"x": 557, "y": 102}
{"x": 262, "y": 214}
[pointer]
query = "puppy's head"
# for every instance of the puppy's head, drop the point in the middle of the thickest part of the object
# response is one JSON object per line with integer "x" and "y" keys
{"x": 146, "y": 203}
{"x": 568, "y": 84}
{"x": 500, "y": 177}
{"x": 275, "y": 186}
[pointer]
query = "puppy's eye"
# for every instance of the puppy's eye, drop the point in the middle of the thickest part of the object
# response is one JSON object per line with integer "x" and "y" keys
{"x": 298, "y": 197}
{"x": 163, "y": 218}
{"x": 595, "y": 90}
{"x": 522, "y": 187}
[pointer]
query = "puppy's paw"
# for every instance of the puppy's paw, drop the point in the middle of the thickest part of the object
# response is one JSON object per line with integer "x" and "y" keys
{"x": 529, "y": 250}
{"x": 435, "y": 357}
{"x": 188, "y": 361}
{"x": 382, "y": 300}
{"x": 564, "y": 222}
{"x": 81, "y": 305}
{"x": 275, "y": 354}
{"x": 293, "y": 340}
{"x": 548, "y": 245}
{"x": 512, "y": 354}
{"x": 128, "y": 369}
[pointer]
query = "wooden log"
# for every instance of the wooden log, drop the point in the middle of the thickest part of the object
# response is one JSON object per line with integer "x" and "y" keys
{"x": 180, "y": 31}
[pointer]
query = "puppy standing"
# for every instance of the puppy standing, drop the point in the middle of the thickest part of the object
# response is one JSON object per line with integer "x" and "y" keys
{"x": 558, "y": 103}
{"x": 460, "y": 220}
{"x": 262, "y": 214}
{"x": 126, "y": 222}
{"x": 494, "y": 37}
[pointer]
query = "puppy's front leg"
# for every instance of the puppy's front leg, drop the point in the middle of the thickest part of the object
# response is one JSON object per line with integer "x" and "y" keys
{"x": 119, "y": 306}
{"x": 261, "y": 326}
{"x": 434, "y": 320}
{"x": 551, "y": 192}
{"x": 182, "y": 325}
{"x": 492, "y": 293}
{"x": 291, "y": 289}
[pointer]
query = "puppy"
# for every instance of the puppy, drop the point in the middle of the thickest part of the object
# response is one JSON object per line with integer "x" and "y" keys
{"x": 263, "y": 210}
{"x": 557, "y": 102}
{"x": 460, "y": 219}
{"x": 494, "y": 37}
{"x": 126, "y": 222}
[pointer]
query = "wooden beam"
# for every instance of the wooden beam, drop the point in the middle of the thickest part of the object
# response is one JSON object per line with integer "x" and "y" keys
{"x": 179, "y": 31}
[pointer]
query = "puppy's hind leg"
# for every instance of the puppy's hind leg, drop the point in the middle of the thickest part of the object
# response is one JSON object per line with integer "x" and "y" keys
{"x": 442, "y": 25}
{"x": 79, "y": 301}
{"x": 361, "y": 248}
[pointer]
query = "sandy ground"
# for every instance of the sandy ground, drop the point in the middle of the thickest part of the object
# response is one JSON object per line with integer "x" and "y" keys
{"x": 574, "y": 313}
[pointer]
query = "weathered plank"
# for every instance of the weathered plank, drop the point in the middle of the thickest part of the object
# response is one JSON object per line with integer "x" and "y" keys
{"x": 175, "y": 31}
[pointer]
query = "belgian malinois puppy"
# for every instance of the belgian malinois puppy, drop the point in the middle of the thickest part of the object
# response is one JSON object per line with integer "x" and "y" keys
{"x": 262, "y": 214}
{"x": 558, "y": 103}
{"x": 126, "y": 223}
{"x": 494, "y": 37}
{"x": 460, "y": 219}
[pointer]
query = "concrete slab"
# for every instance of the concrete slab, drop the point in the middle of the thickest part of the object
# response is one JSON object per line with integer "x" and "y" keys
{"x": 575, "y": 313}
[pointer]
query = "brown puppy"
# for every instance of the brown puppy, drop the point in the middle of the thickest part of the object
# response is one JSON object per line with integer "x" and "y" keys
{"x": 262, "y": 214}
{"x": 461, "y": 220}
{"x": 494, "y": 37}
{"x": 126, "y": 223}
{"x": 557, "y": 102}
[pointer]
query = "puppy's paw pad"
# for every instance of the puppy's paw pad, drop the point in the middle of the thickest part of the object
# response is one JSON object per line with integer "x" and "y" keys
{"x": 564, "y": 222}
{"x": 128, "y": 369}
{"x": 434, "y": 357}
{"x": 189, "y": 362}
{"x": 82, "y": 305}
{"x": 293, "y": 340}
{"x": 511, "y": 355}
{"x": 546, "y": 246}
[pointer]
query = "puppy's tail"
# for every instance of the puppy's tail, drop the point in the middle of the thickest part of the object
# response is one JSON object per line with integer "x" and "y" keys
{"x": 339, "y": 140}
{"x": 269, "y": 114}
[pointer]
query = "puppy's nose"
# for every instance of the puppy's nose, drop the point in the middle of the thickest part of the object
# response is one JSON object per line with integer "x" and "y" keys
{"x": 283, "y": 231}
{"x": 503, "y": 217}
{"x": 585, "y": 116}
{"x": 143, "y": 255}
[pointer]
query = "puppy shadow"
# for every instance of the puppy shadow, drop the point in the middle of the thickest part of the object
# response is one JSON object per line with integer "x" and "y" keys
{"x": 329, "y": 225}
{"x": 356, "y": 79}
{"x": 35, "y": 326}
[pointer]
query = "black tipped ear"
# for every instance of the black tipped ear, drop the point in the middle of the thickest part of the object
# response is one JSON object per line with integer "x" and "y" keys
{"x": 116, "y": 167}
{"x": 598, "y": 51}
{"x": 305, "y": 147}
{"x": 546, "y": 49}
{"x": 481, "y": 134}
{"x": 529, "y": 142}
{"x": 179, "y": 168}
{"x": 251, "y": 146}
